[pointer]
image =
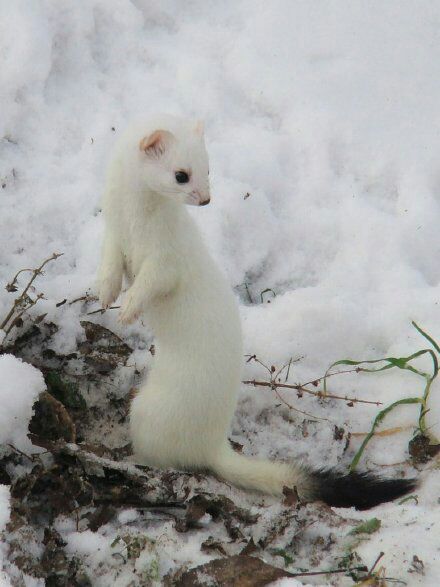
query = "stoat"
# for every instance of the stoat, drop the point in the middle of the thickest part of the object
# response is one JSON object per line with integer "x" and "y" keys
{"x": 180, "y": 417}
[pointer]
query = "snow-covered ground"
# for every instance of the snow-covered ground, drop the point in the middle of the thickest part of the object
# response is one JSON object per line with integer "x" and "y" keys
{"x": 323, "y": 128}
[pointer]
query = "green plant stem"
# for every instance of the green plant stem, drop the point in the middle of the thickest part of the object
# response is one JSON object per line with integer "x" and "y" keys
{"x": 380, "y": 416}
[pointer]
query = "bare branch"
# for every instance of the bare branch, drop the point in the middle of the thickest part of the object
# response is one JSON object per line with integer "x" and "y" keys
{"x": 23, "y": 300}
{"x": 299, "y": 411}
{"x": 273, "y": 385}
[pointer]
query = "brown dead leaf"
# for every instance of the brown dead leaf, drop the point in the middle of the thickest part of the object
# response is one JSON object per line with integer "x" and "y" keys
{"x": 233, "y": 571}
{"x": 291, "y": 497}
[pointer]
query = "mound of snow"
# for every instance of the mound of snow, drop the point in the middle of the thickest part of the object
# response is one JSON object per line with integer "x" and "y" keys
{"x": 20, "y": 385}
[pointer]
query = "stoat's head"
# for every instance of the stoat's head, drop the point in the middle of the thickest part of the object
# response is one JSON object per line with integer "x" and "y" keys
{"x": 174, "y": 163}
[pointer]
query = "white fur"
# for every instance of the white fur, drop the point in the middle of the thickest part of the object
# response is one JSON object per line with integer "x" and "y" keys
{"x": 181, "y": 415}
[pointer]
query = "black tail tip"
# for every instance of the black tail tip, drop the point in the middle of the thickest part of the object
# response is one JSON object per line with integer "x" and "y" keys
{"x": 360, "y": 490}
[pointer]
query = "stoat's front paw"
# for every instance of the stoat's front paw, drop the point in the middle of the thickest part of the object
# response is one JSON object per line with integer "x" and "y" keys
{"x": 109, "y": 289}
{"x": 130, "y": 310}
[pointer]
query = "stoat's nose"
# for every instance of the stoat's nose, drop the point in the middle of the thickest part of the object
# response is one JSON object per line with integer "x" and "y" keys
{"x": 205, "y": 202}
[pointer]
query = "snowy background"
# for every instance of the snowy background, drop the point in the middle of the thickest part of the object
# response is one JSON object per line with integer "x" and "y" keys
{"x": 323, "y": 129}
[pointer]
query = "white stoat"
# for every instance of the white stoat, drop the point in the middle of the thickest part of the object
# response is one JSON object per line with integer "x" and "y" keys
{"x": 181, "y": 416}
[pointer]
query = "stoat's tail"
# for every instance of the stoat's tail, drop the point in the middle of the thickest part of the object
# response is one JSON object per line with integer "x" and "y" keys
{"x": 360, "y": 490}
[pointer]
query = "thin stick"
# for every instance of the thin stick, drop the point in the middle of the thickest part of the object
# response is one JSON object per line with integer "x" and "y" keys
{"x": 299, "y": 411}
{"x": 102, "y": 310}
{"x": 288, "y": 365}
{"x": 370, "y": 572}
{"x": 36, "y": 272}
{"x": 20, "y": 314}
{"x": 316, "y": 381}
{"x": 329, "y": 572}
{"x": 85, "y": 298}
{"x": 320, "y": 394}
{"x": 257, "y": 360}
{"x": 14, "y": 280}
{"x": 39, "y": 271}
{"x": 248, "y": 293}
{"x": 302, "y": 387}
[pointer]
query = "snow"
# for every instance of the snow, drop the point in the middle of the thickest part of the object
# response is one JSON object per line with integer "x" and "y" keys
{"x": 20, "y": 385}
{"x": 327, "y": 115}
{"x": 288, "y": 583}
{"x": 5, "y": 511}
{"x": 407, "y": 531}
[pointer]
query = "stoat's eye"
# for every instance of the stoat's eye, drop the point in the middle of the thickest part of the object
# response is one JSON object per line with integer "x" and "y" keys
{"x": 182, "y": 177}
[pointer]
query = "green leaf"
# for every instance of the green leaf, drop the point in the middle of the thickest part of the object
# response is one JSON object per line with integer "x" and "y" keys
{"x": 423, "y": 333}
{"x": 368, "y": 527}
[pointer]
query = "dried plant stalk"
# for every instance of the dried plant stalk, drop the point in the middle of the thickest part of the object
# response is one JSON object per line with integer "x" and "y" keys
{"x": 23, "y": 302}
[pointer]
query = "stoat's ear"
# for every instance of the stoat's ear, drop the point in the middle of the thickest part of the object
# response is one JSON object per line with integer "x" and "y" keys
{"x": 199, "y": 127}
{"x": 157, "y": 143}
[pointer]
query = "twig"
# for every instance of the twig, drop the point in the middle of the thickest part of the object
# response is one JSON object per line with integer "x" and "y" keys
{"x": 257, "y": 360}
{"x": 288, "y": 368}
{"x": 316, "y": 381}
{"x": 274, "y": 375}
{"x": 246, "y": 286}
{"x": 370, "y": 572}
{"x": 14, "y": 280}
{"x": 296, "y": 409}
{"x": 347, "y": 571}
{"x": 85, "y": 298}
{"x": 20, "y": 314}
{"x": 36, "y": 272}
{"x": 24, "y": 298}
{"x": 102, "y": 310}
{"x": 329, "y": 572}
{"x": 288, "y": 365}
{"x": 273, "y": 385}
